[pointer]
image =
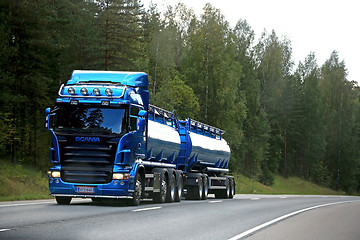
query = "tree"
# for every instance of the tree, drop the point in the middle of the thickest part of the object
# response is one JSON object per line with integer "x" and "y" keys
{"x": 174, "y": 94}
{"x": 252, "y": 152}
{"x": 121, "y": 31}
{"x": 273, "y": 59}
{"x": 24, "y": 68}
{"x": 339, "y": 97}
{"x": 311, "y": 144}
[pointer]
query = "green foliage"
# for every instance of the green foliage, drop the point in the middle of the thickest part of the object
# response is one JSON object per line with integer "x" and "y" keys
{"x": 174, "y": 94}
{"x": 266, "y": 177}
{"x": 304, "y": 123}
{"x": 19, "y": 182}
{"x": 251, "y": 154}
{"x": 291, "y": 185}
{"x": 120, "y": 32}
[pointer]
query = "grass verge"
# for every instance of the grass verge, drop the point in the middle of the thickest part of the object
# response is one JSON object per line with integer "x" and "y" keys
{"x": 20, "y": 182}
{"x": 290, "y": 185}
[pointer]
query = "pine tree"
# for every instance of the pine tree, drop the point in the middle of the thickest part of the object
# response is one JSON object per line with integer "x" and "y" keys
{"x": 273, "y": 58}
{"x": 252, "y": 152}
{"x": 121, "y": 30}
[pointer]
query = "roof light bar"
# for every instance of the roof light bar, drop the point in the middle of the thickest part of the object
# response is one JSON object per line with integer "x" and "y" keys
{"x": 96, "y": 91}
{"x": 84, "y": 91}
{"x": 71, "y": 90}
{"x": 108, "y": 92}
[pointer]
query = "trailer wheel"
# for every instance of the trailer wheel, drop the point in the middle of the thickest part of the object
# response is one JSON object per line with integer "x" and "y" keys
{"x": 63, "y": 200}
{"x": 135, "y": 200}
{"x": 225, "y": 193}
{"x": 205, "y": 187}
{"x": 232, "y": 188}
{"x": 170, "y": 196}
{"x": 179, "y": 186}
{"x": 160, "y": 197}
{"x": 196, "y": 192}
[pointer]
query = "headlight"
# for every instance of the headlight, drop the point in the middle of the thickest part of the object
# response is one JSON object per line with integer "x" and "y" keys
{"x": 55, "y": 174}
{"x": 121, "y": 176}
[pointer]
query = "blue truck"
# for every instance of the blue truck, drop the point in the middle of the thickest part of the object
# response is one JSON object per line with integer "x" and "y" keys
{"x": 107, "y": 141}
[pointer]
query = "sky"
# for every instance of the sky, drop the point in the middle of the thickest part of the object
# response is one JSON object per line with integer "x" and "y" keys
{"x": 319, "y": 26}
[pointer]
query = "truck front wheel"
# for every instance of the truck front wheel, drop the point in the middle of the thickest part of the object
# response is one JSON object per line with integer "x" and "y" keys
{"x": 135, "y": 200}
{"x": 63, "y": 200}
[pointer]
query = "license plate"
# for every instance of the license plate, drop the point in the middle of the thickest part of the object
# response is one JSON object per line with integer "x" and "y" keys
{"x": 85, "y": 189}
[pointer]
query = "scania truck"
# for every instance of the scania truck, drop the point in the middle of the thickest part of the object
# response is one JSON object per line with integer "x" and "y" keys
{"x": 107, "y": 141}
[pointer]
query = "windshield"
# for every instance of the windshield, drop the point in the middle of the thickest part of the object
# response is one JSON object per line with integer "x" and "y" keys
{"x": 85, "y": 119}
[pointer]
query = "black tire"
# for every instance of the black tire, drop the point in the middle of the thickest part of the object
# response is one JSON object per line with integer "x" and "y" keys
{"x": 160, "y": 197}
{"x": 138, "y": 190}
{"x": 179, "y": 186}
{"x": 196, "y": 192}
{"x": 228, "y": 188}
{"x": 170, "y": 196}
{"x": 63, "y": 200}
{"x": 232, "y": 188}
{"x": 225, "y": 193}
{"x": 205, "y": 180}
{"x": 189, "y": 193}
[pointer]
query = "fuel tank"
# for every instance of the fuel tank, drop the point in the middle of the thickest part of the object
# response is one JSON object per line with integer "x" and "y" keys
{"x": 163, "y": 142}
{"x": 179, "y": 142}
{"x": 209, "y": 152}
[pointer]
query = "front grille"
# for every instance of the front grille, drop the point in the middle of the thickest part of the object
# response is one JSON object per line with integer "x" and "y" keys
{"x": 87, "y": 163}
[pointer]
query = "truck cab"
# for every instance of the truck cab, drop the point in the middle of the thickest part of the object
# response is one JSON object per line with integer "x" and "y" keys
{"x": 97, "y": 128}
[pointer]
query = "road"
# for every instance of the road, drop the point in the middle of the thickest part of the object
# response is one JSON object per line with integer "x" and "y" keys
{"x": 245, "y": 216}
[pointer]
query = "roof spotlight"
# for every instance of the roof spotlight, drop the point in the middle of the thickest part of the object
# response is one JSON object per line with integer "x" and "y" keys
{"x": 71, "y": 90}
{"x": 84, "y": 91}
{"x": 109, "y": 91}
{"x": 96, "y": 91}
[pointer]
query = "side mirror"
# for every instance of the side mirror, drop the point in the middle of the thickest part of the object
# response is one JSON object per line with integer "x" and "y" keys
{"x": 141, "y": 122}
{"x": 47, "y": 118}
{"x": 142, "y": 113}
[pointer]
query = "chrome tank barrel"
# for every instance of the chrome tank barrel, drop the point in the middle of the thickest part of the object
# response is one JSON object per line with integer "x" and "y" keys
{"x": 163, "y": 145}
{"x": 209, "y": 151}
{"x": 163, "y": 141}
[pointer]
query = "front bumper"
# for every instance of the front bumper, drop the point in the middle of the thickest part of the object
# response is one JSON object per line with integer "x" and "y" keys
{"x": 114, "y": 189}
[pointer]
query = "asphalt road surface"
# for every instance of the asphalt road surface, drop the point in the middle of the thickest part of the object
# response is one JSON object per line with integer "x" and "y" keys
{"x": 245, "y": 216}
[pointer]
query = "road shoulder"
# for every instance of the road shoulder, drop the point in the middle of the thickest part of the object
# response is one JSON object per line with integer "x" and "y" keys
{"x": 330, "y": 222}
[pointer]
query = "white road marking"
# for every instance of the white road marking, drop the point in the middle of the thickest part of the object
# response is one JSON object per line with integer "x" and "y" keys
{"x": 255, "y": 198}
{"x": 216, "y": 201}
{"x": 264, "y": 225}
{"x": 3, "y": 230}
{"x": 74, "y": 200}
{"x": 283, "y": 197}
{"x": 146, "y": 209}
{"x": 24, "y": 204}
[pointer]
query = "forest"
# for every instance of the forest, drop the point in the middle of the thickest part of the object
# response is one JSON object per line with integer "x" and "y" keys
{"x": 280, "y": 117}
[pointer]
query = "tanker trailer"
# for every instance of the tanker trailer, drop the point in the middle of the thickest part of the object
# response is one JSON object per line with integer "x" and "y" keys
{"x": 108, "y": 142}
